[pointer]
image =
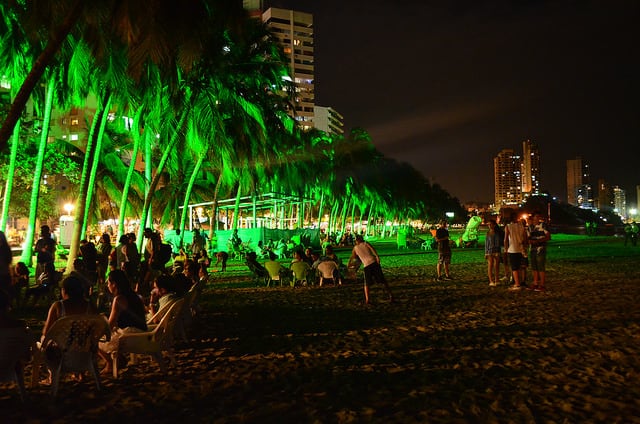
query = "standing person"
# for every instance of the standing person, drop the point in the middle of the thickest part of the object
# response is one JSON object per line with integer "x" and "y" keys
{"x": 104, "y": 248}
{"x": 504, "y": 257}
{"x": 492, "y": 252}
{"x": 45, "y": 249}
{"x": 221, "y": 258}
{"x": 515, "y": 242}
{"x": 153, "y": 261}
{"x": 197, "y": 245}
{"x": 444, "y": 251}
{"x": 372, "y": 270}
{"x": 538, "y": 238}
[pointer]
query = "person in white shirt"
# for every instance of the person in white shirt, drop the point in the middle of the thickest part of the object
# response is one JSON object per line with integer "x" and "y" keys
{"x": 372, "y": 270}
{"x": 515, "y": 243}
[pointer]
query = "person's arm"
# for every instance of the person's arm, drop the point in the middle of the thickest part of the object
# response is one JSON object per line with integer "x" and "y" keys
{"x": 506, "y": 238}
{"x": 115, "y": 312}
{"x": 52, "y": 317}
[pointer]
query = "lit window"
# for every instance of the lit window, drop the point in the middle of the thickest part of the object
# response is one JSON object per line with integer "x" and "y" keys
{"x": 74, "y": 137}
{"x": 74, "y": 122}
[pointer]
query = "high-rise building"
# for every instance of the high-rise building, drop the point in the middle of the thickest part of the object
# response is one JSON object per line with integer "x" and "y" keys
{"x": 605, "y": 195}
{"x": 620, "y": 201}
{"x": 507, "y": 170}
{"x": 294, "y": 30}
{"x": 328, "y": 120}
{"x": 579, "y": 189}
{"x": 530, "y": 169}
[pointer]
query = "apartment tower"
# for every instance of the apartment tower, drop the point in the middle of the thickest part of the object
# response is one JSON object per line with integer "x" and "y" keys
{"x": 507, "y": 171}
{"x": 294, "y": 30}
{"x": 530, "y": 169}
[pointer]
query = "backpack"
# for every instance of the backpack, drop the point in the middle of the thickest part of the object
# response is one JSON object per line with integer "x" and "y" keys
{"x": 165, "y": 253}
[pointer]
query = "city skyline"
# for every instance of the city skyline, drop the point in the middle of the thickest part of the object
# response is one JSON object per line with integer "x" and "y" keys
{"x": 445, "y": 87}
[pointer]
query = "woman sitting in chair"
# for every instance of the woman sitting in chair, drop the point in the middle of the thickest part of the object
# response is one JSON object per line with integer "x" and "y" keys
{"x": 73, "y": 303}
{"x": 127, "y": 315}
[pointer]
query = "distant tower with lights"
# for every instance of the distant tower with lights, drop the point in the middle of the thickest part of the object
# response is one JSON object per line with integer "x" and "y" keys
{"x": 507, "y": 171}
{"x": 530, "y": 169}
{"x": 620, "y": 201}
{"x": 294, "y": 31}
{"x": 579, "y": 189}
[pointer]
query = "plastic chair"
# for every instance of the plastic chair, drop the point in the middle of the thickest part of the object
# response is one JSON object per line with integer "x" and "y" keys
{"x": 274, "y": 269}
{"x": 328, "y": 271}
{"x": 15, "y": 346}
{"x": 188, "y": 311}
{"x": 153, "y": 343}
{"x": 300, "y": 271}
{"x": 71, "y": 345}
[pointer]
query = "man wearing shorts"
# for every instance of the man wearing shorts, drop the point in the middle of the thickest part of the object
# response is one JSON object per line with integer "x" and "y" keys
{"x": 515, "y": 242}
{"x": 538, "y": 238}
{"x": 372, "y": 270}
{"x": 444, "y": 251}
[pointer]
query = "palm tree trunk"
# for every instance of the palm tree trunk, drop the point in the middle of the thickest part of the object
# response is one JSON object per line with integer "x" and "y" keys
{"x": 320, "y": 208}
{"x": 132, "y": 167}
{"x": 102, "y": 116}
{"x": 345, "y": 208}
{"x": 163, "y": 160}
{"x": 81, "y": 199}
{"x": 236, "y": 208}
{"x": 185, "y": 205}
{"x": 27, "y": 253}
{"x": 10, "y": 177}
{"x": 369, "y": 224}
{"x": 38, "y": 68}
{"x": 214, "y": 212}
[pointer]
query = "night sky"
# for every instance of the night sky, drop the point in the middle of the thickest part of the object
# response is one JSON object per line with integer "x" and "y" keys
{"x": 445, "y": 85}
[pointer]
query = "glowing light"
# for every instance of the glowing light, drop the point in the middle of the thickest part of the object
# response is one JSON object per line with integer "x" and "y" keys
{"x": 68, "y": 207}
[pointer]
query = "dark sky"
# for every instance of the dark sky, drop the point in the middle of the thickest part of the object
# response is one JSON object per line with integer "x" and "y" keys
{"x": 445, "y": 85}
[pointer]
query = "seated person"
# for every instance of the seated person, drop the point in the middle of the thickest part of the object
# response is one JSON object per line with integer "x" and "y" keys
{"x": 180, "y": 258}
{"x": 73, "y": 301}
{"x": 162, "y": 296}
{"x": 330, "y": 254}
{"x": 275, "y": 269}
{"x": 127, "y": 315}
{"x": 10, "y": 324}
{"x": 256, "y": 268}
{"x": 46, "y": 286}
{"x": 19, "y": 281}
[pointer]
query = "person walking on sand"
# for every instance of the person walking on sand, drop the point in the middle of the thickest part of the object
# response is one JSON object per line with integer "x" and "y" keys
{"x": 538, "y": 238}
{"x": 372, "y": 270}
{"x": 492, "y": 252}
{"x": 444, "y": 251}
{"x": 515, "y": 242}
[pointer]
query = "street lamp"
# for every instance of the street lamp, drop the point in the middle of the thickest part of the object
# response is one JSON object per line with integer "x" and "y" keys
{"x": 68, "y": 207}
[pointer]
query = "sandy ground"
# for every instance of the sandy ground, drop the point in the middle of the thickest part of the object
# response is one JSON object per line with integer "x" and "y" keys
{"x": 459, "y": 351}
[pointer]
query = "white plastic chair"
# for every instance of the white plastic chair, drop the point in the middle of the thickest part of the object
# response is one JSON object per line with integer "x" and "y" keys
{"x": 327, "y": 271}
{"x": 71, "y": 345}
{"x": 153, "y": 343}
{"x": 15, "y": 346}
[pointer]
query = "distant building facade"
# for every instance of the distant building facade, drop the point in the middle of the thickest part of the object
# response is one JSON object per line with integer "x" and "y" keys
{"x": 620, "y": 202}
{"x": 507, "y": 170}
{"x": 579, "y": 188}
{"x": 328, "y": 120}
{"x": 294, "y": 31}
{"x": 530, "y": 169}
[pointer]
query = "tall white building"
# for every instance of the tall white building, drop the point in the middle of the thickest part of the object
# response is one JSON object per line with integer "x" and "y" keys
{"x": 328, "y": 120}
{"x": 294, "y": 31}
{"x": 620, "y": 201}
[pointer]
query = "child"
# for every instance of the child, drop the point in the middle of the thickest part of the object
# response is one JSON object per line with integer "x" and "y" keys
{"x": 492, "y": 253}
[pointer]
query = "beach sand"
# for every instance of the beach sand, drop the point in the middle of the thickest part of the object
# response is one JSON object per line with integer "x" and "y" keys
{"x": 456, "y": 351}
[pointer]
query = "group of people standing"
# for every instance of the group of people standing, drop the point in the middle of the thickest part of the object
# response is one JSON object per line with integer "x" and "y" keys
{"x": 525, "y": 244}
